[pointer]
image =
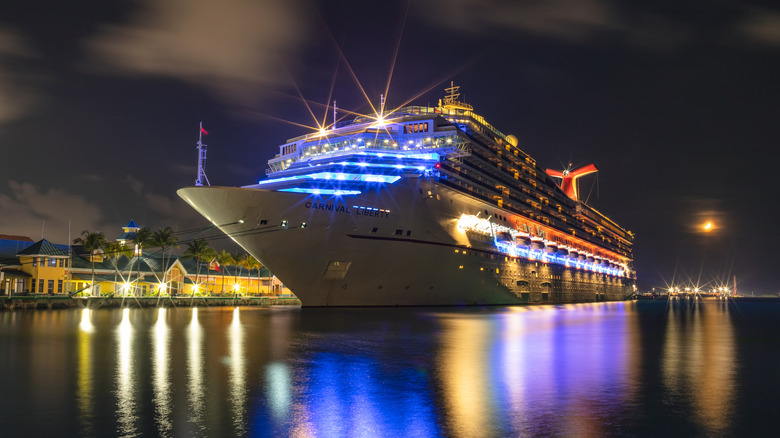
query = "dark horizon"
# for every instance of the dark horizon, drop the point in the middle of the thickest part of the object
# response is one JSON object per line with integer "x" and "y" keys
{"x": 100, "y": 105}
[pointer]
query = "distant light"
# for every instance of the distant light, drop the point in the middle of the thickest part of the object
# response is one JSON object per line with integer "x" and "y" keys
{"x": 708, "y": 226}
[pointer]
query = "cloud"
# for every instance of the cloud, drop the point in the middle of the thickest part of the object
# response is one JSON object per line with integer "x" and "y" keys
{"x": 26, "y": 207}
{"x": 226, "y": 46}
{"x": 761, "y": 26}
{"x": 162, "y": 205}
{"x": 17, "y": 90}
{"x": 570, "y": 21}
{"x": 135, "y": 184}
{"x": 562, "y": 19}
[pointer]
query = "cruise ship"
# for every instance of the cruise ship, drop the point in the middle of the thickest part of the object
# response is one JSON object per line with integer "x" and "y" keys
{"x": 425, "y": 205}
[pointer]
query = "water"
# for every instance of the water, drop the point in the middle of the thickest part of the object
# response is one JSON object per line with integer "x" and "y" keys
{"x": 611, "y": 369}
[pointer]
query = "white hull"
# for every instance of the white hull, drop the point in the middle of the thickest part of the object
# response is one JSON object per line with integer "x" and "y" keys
{"x": 412, "y": 256}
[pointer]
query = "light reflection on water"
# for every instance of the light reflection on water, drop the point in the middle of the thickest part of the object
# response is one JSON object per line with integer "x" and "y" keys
{"x": 606, "y": 369}
{"x": 84, "y": 377}
{"x": 125, "y": 384}
{"x": 196, "y": 383}
{"x": 699, "y": 363}
{"x": 237, "y": 383}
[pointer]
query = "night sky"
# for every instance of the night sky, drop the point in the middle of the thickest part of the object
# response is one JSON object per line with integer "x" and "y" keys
{"x": 677, "y": 103}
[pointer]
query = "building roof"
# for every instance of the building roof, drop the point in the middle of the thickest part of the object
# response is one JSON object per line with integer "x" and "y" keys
{"x": 131, "y": 224}
{"x": 127, "y": 236}
{"x": 15, "y": 237}
{"x": 9, "y": 247}
{"x": 15, "y": 273}
{"x": 42, "y": 247}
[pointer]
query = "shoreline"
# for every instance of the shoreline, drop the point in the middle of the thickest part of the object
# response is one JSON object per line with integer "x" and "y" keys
{"x": 65, "y": 302}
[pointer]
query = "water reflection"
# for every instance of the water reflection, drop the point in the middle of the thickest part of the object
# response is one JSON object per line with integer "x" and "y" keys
{"x": 538, "y": 371}
{"x": 125, "y": 384}
{"x": 196, "y": 383}
{"x": 699, "y": 362}
{"x": 237, "y": 384}
{"x": 468, "y": 394}
{"x": 161, "y": 382}
{"x": 84, "y": 378}
{"x": 279, "y": 383}
{"x": 607, "y": 369}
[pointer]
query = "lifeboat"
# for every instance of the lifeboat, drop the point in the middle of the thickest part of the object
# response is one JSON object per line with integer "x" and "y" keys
{"x": 537, "y": 244}
{"x": 551, "y": 248}
{"x": 504, "y": 237}
{"x": 563, "y": 252}
{"x": 523, "y": 241}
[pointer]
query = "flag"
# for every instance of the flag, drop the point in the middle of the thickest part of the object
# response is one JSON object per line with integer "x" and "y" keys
{"x": 204, "y": 131}
{"x": 215, "y": 266}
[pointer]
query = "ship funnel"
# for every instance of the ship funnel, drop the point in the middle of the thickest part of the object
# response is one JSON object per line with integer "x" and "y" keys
{"x": 569, "y": 178}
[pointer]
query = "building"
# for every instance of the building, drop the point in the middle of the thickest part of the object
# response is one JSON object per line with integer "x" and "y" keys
{"x": 34, "y": 268}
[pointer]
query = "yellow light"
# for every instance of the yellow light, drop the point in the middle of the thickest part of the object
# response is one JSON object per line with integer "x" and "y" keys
{"x": 126, "y": 286}
{"x": 708, "y": 226}
{"x": 236, "y": 286}
{"x": 163, "y": 286}
{"x": 322, "y": 131}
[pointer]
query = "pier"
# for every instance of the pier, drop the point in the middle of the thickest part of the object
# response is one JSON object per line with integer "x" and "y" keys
{"x": 65, "y": 302}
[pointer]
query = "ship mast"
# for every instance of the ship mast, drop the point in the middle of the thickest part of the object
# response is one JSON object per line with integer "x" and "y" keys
{"x": 201, "y": 159}
{"x": 451, "y": 99}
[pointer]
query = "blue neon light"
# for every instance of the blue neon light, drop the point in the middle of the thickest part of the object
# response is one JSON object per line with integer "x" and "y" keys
{"x": 539, "y": 255}
{"x": 321, "y": 191}
{"x": 340, "y": 176}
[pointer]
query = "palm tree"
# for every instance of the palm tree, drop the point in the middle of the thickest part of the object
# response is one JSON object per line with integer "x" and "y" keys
{"x": 113, "y": 251}
{"x": 92, "y": 243}
{"x": 224, "y": 259}
{"x": 252, "y": 263}
{"x": 163, "y": 238}
{"x": 142, "y": 238}
{"x": 199, "y": 250}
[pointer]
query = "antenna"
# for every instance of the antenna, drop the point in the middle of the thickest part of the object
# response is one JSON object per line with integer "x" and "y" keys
{"x": 201, "y": 158}
{"x": 381, "y": 105}
{"x": 334, "y": 113}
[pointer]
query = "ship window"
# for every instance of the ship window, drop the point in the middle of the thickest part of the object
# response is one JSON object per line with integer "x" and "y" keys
{"x": 399, "y": 232}
{"x": 374, "y": 230}
{"x": 264, "y": 222}
{"x": 408, "y": 233}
